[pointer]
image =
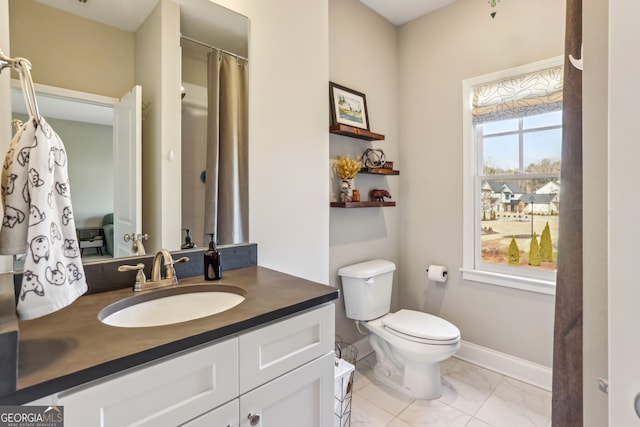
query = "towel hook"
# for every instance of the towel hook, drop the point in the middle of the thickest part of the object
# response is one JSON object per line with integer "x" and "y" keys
{"x": 23, "y": 67}
{"x": 5, "y": 61}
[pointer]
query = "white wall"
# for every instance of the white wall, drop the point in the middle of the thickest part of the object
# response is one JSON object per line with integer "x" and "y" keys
{"x": 363, "y": 57}
{"x": 289, "y": 140}
{"x": 437, "y": 52}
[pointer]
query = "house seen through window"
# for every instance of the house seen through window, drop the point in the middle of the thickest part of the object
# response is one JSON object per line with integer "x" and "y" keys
{"x": 520, "y": 190}
{"x": 512, "y": 177}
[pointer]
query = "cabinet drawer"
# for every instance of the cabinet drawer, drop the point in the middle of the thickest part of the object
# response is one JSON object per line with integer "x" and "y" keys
{"x": 170, "y": 392}
{"x": 273, "y": 350}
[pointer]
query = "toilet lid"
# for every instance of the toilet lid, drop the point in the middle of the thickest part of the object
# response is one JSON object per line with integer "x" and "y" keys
{"x": 421, "y": 325}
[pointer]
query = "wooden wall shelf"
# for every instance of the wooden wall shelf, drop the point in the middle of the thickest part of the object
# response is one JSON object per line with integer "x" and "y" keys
{"x": 352, "y": 132}
{"x": 379, "y": 171}
{"x": 362, "y": 204}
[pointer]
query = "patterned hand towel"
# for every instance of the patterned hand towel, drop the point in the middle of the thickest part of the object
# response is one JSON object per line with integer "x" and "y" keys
{"x": 38, "y": 220}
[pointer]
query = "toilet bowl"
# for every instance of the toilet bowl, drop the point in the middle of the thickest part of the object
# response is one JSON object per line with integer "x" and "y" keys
{"x": 408, "y": 344}
{"x": 411, "y": 363}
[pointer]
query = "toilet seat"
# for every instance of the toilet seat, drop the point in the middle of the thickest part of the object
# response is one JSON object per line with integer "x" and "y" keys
{"x": 421, "y": 327}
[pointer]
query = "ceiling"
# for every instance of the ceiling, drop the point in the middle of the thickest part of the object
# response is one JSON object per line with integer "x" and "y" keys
{"x": 399, "y": 12}
{"x": 128, "y": 15}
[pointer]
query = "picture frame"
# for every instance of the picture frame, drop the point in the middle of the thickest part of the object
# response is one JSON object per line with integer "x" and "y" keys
{"x": 348, "y": 107}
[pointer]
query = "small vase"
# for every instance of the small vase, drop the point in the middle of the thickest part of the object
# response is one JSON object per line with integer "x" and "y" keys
{"x": 346, "y": 189}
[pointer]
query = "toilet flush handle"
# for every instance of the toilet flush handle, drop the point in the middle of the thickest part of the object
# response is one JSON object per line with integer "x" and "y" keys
{"x": 369, "y": 281}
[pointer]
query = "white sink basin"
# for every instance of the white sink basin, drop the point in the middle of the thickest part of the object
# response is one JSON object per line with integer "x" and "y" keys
{"x": 172, "y": 305}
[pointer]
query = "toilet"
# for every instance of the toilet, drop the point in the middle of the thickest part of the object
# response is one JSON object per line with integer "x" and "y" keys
{"x": 408, "y": 344}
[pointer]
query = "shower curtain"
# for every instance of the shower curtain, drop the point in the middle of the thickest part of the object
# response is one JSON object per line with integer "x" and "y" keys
{"x": 567, "y": 342}
{"x": 226, "y": 185}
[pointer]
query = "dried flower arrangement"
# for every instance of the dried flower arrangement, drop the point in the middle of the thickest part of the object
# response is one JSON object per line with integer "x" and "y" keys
{"x": 347, "y": 168}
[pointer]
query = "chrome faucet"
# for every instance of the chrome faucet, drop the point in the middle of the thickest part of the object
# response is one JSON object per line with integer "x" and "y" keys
{"x": 157, "y": 281}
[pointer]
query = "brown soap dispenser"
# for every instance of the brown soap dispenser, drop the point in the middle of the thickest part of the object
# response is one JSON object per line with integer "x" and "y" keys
{"x": 212, "y": 264}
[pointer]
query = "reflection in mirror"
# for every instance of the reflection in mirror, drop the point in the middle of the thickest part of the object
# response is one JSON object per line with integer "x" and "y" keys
{"x": 214, "y": 153}
{"x": 100, "y": 53}
{"x": 85, "y": 124}
{"x": 194, "y": 140}
{"x": 214, "y": 137}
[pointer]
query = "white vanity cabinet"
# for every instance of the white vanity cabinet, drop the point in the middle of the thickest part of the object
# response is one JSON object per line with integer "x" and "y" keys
{"x": 279, "y": 375}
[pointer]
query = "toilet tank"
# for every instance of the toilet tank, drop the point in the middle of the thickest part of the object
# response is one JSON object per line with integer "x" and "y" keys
{"x": 367, "y": 288}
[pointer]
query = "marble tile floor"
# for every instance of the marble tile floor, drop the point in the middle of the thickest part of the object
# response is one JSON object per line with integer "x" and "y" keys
{"x": 472, "y": 397}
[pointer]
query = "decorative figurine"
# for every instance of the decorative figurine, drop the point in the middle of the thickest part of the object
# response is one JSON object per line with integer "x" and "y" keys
{"x": 378, "y": 195}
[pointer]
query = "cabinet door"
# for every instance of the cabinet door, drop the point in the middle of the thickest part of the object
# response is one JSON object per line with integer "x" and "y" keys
{"x": 169, "y": 392}
{"x": 224, "y": 416}
{"x": 273, "y": 350}
{"x": 303, "y": 397}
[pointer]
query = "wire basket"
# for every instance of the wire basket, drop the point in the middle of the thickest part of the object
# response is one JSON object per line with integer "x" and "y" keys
{"x": 346, "y": 356}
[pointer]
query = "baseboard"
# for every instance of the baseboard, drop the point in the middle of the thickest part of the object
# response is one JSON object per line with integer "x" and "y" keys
{"x": 505, "y": 364}
{"x": 511, "y": 366}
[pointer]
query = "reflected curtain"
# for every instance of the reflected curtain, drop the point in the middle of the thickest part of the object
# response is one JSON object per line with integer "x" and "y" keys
{"x": 226, "y": 185}
{"x": 567, "y": 401}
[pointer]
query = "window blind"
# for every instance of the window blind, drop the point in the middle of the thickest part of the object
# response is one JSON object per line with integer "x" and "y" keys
{"x": 525, "y": 95}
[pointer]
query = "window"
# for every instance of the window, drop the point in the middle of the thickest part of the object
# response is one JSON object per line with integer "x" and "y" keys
{"x": 513, "y": 140}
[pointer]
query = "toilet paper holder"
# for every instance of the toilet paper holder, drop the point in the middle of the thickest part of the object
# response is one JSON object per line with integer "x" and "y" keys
{"x": 439, "y": 273}
{"x": 444, "y": 273}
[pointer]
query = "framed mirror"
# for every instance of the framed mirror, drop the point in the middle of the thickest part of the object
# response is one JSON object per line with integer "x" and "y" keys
{"x": 98, "y": 52}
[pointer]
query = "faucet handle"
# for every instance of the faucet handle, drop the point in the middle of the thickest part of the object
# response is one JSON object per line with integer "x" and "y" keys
{"x": 170, "y": 271}
{"x": 140, "y": 277}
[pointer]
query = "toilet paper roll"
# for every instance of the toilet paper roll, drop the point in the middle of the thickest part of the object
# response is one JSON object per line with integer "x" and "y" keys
{"x": 437, "y": 273}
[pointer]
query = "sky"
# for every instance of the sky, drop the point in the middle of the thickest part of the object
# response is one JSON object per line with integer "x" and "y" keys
{"x": 502, "y": 151}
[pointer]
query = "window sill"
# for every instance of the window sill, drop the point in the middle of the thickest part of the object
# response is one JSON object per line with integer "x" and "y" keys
{"x": 517, "y": 282}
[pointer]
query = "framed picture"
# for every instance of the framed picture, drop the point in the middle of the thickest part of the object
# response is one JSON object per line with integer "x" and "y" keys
{"x": 348, "y": 107}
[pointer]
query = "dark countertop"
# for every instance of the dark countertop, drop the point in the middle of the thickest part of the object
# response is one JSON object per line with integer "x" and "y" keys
{"x": 71, "y": 346}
